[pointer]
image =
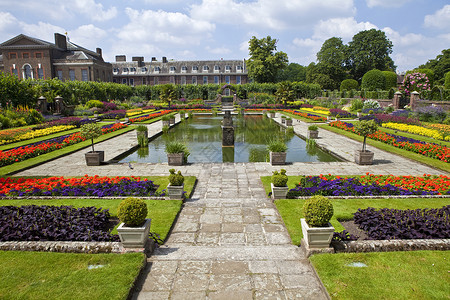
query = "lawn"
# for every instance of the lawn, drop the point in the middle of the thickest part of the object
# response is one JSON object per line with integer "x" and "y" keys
{"x": 388, "y": 275}
{"x": 46, "y": 275}
{"x": 291, "y": 210}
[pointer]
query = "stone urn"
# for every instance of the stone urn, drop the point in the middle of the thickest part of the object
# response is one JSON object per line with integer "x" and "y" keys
{"x": 134, "y": 237}
{"x": 175, "y": 159}
{"x": 165, "y": 123}
{"x": 175, "y": 192}
{"x": 172, "y": 120}
{"x": 317, "y": 237}
{"x": 279, "y": 192}
{"x": 363, "y": 157}
{"x": 312, "y": 134}
{"x": 277, "y": 158}
{"x": 94, "y": 158}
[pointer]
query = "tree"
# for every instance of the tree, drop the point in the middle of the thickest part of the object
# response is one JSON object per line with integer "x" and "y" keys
{"x": 285, "y": 92}
{"x": 324, "y": 75}
{"x": 368, "y": 50}
{"x": 440, "y": 66}
{"x": 265, "y": 63}
{"x": 168, "y": 93}
{"x": 293, "y": 72}
{"x": 333, "y": 52}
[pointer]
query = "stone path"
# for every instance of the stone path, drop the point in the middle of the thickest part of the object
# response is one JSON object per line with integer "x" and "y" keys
{"x": 229, "y": 242}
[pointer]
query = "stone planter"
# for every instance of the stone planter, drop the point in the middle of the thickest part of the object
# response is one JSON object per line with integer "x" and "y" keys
{"x": 142, "y": 133}
{"x": 313, "y": 134}
{"x": 172, "y": 121}
{"x": 175, "y": 159}
{"x": 277, "y": 158}
{"x": 288, "y": 122}
{"x": 283, "y": 120}
{"x": 279, "y": 192}
{"x": 134, "y": 237}
{"x": 317, "y": 237}
{"x": 363, "y": 158}
{"x": 94, "y": 158}
{"x": 165, "y": 123}
{"x": 272, "y": 115}
{"x": 175, "y": 192}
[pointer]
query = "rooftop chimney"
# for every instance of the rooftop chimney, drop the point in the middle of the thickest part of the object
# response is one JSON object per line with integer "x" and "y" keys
{"x": 164, "y": 59}
{"x": 153, "y": 58}
{"x": 99, "y": 51}
{"x": 139, "y": 59}
{"x": 121, "y": 58}
{"x": 61, "y": 41}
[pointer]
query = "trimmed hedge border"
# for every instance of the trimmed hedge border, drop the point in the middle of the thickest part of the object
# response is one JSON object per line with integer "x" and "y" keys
{"x": 390, "y": 245}
{"x": 73, "y": 247}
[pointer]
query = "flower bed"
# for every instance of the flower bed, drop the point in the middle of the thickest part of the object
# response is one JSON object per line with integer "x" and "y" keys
{"x": 10, "y": 134}
{"x": 431, "y": 150}
{"x": 150, "y": 116}
{"x": 84, "y": 186}
{"x": 386, "y": 224}
{"x": 64, "y": 121}
{"x": 114, "y": 114}
{"x": 305, "y": 115}
{"x": 383, "y": 118}
{"x": 371, "y": 185}
{"x": 53, "y": 223}
{"x": 420, "y": 130}
{"x": 37, "y": 133}
{"x": 32, "y": 150}
{"x": 319, "y": 110}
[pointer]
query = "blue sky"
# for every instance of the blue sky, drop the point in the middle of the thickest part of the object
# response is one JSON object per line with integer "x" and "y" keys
{"x": 214, "y": 29}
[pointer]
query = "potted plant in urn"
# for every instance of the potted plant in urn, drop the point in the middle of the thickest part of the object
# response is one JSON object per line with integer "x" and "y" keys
{"x": 279, "y": 184}
{"x": 172, "y": 120}
{"x": 176, "y": 185}
{"x": 288, "y": 122}
{"x": 182, "y": 115}
{"x": 92, "y": 131}
{"x": 316, "y": 228}
{"x": 142, "y": 135}
{"x": 177, "y": 153}
{"x": 135, "y": 227}
{"x": 165, "y": 120}
{"x": 313, "y": 132}
{"x": 272, "y": 113}
{"x": 283, "y": 119}
{"x": 277, "y": 149}
{"x": 365, "y": 128}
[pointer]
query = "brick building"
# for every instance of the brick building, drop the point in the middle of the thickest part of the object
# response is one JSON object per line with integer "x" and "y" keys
{"x": 139, "y": 72}
{"x": 28, "y": 57}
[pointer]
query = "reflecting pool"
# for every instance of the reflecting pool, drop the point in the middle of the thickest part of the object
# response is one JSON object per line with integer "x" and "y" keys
{"x": 203, "y": 136}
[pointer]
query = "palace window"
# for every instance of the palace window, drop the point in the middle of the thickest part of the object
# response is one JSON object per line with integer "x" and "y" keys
{"x": 72, "y": 74}
{"x": 84, "y": 75}
{"x": 205, "y": 79}
{"x": 59, "y": 74}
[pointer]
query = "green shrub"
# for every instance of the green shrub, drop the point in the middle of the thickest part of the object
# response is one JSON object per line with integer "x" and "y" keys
{"x": 279, "y": 179}
{"x": 356, "y": 104}
{"x": 349, "y": 84}
{"x": 368, "y": 104}
{"x": 141, "y": 128}
{"x": 373, "y": 80}
{"x": 447, "y": 81}
{"x": 132, "y": 212}
{"x": 428, "y": 72}
{"x": 176, "y": 179}
{"x": 313, "y": 127}
{"x": 390, "y": 80}
{"x": 34, "y": 117}
{"x": 165, "y": 118}
{"x": 94, "y": 103}
{"x": 277, "y": 146}
{"x": 318, "y": 211}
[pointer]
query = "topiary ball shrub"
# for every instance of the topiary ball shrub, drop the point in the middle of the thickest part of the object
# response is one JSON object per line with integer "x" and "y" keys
{"x": 318, "y": 211}
{"x": 349, "y": 84}
{"x": 175, "y": 179}
{"x": 373, "y": 80}
{"x": 279, "y": 179}
{"x": 390, "y": 80}
{"x": 132, "y": 212}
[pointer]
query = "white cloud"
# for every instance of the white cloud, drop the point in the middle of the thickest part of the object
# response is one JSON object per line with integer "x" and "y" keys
{"x": 94, "y": 10}
{"x": 440, "y": 19}
{"x": 7, "y": 23}
{"x": 344, "y": 28}
{"x": 386, "y": 3}
{"x": 278, "y": 15}
{"x": 218, "y": 50}
{"x": 87, "y": 36}
{"x": 41, "y": 30}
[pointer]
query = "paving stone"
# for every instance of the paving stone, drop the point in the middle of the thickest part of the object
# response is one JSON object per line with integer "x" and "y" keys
{"x": 145, "y": 295}
{"x": 232, "y": 227}
{"x": 163, "y": 267}
{"x": 158, "y": 282}
{"x": 277, "y": 238}
{"x": 269, "y": 282}
{"x": 305, "y": 293}
{"x": 271, "y": 295}
{"x": 232, "y": 238}
{"x": 186, "y": 227}
{"x": 194, "y": 267}
{"x": 228, "y": 295}
{"x": 263, "y": 266}
{"x": 190, "y": 282}
{"x": 229, "y": 282}
{"x": 183, "y": 295}
{"x": 229, "y": 267}
{"x": 296, "y": 281}
{"x": 289, "y": 267}
{"x": 274, "y": 228}
{"x": 211, "y": 219}
{"x": 210, "y": 227}
{"x": 181, "y": 237}
{"x": 208, "y": 238}
{"x": 252, "y": 228}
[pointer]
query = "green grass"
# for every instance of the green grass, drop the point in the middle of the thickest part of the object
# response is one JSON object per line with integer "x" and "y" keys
{"x": 45, "y": 275}
{"x": 388, "y": 275}
{"x": 163, "y": 182}
{"x": 19, "y": 166}
{"x": 162, "y": 212}
{"x": 291, "y": 210}
{"x": 435, "y": 163}
{"x": 292, "y": 181}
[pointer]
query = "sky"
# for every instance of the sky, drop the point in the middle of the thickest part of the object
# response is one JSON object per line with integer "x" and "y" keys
{"x": 215, "y": 29}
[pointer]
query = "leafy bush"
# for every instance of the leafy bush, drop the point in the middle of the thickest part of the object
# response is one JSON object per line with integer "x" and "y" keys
{"x": 141, "y": 128}
{"x": 313, "y": 127}
{"x": 54, "y": 223}
{"x": 176, "y": 179}
{"x": 279, "y": 179}
{"x": 349, "y": 84}
{"x": 370, "y": 104}
{"x": 34, "y": 117}
{"x": 390, "y": 80}
{"x": 373, "y": 80}
{"x": 386, "y": 224}
{"x": 447, "y": 81}
{"x": 430, "y": 113}
{"x": 318, "y": 211}
{"x": 277, "y": 146}
{"x": 416, "y": 82}
{"x": 132, "y": 212}
{"x": 356, "y": 104}
{"x": 94, "y": 103}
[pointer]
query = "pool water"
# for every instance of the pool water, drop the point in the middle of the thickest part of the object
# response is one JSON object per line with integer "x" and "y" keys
{"x": 203, "y": 136}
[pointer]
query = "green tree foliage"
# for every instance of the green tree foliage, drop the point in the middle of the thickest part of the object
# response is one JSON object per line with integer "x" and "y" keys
{"x": 390, "y": 80}
{"x": 447, "y": 81}
{"x": 333, "y": 52}
{"x": 285, "y": 92}
{"x": 349, "y": 84}
{"x": 168, "y": 93}
{"x": 293, "y": 72}
{"x": 318, "y": 74}
{"x": 440, "y": 66}
{"x": 265, "y": 63}
{"x": 16, "y": 92}
{"x": 373, "y": 80}
{"x": 369, "y": 49}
